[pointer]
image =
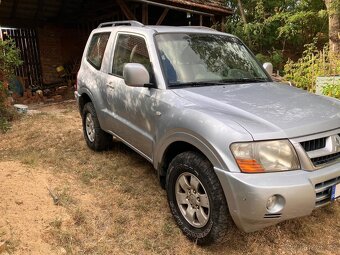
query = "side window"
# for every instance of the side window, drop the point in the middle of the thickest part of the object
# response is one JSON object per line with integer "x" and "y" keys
{"x": 96, "y": 49}
{"x": 130, "y": 49}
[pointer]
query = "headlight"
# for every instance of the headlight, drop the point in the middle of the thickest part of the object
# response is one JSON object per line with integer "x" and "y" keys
{"x": 268, "y": 156}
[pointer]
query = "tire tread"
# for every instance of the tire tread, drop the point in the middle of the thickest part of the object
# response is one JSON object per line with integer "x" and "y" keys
{"x": 221, "y": 220}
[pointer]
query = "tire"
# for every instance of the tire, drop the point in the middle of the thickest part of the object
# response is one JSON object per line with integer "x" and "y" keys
{"x": 96, "y": 138}
{"x": 196, "y": 198}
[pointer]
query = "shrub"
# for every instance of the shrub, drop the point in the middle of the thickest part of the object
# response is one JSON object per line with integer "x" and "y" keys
{"x": 9, "y": 60}
{"x": 312, "y": 64}
{"x": 275, "y": 57}
{"x": 332, "y": 90}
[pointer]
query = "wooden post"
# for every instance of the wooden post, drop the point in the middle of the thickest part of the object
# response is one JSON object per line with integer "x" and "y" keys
{"x": 201, "y": 20}
{"x": 223, "y": 24}
{"x": 213, "y": 19}
{"x": 145, "y": 14}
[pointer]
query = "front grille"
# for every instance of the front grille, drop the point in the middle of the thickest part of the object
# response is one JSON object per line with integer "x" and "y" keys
{"x": 323, "y": 191}
{"x": 325, "y": 159}
{"x": 315, "y": 144}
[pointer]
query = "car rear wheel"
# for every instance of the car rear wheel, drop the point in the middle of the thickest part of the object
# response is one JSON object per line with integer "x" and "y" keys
{"x": 96, "y": 138}
{"x": 196, "y": 198}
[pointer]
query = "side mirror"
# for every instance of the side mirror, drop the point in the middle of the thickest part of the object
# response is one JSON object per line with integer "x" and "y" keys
{"x": 135, "y": 75}
{"x": 268, "y": 67}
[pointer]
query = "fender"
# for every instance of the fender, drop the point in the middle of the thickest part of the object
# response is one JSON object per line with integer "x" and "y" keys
{"x": 193, "y": 139}
{"x": 84, "y": 90}
{"x": 98, "y": 107}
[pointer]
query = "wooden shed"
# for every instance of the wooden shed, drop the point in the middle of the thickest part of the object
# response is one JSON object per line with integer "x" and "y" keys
{"x": 52, "y": 33}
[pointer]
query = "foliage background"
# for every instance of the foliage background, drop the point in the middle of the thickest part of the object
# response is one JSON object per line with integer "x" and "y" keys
{"x": 9, "y": 60}
{"x": 312, "y": 64}
{"x": 278, "y": 29}
{"x": 291, "y": 34}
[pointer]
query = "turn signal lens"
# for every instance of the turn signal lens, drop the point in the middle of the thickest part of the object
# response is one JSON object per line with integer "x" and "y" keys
{"x": 249, "y": 166}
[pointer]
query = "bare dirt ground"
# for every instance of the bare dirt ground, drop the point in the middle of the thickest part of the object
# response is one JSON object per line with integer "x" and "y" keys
{"x": 26, "y": 208}
{"x": 111, "y": 202}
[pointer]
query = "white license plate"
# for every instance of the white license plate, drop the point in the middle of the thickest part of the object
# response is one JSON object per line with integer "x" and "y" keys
{"x": 335, "y": 192}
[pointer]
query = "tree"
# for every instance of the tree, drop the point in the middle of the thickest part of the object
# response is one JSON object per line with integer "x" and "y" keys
{"x": 243, "y": 15}
{"x": 279, "y": 29}
{"x": 333, "y": 9}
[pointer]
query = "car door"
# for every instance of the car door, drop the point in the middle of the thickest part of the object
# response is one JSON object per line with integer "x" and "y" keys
{"x": 131, "y": 107}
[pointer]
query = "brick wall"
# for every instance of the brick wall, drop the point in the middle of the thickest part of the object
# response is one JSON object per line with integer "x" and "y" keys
{"x": 58, "y": 46}
{"x": 50, "y": 52}
{"x": 73, "y": 43}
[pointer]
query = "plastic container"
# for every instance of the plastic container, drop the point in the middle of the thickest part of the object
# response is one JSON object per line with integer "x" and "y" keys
{"x": 21, "y": 108}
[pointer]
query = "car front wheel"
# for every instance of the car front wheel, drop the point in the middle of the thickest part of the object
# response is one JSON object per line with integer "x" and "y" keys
{"x": 196, "y": 198}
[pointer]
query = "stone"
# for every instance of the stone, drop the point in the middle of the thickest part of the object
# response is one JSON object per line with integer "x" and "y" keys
{"x": 19, "y": 202}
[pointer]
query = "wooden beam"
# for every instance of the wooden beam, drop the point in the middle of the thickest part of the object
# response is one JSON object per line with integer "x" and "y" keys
{"x": 162, "y": 17}
{"x": 179, "y": 8}
{"x": 18, "y": 22}
{"x": 14, "y": 8}
{"x": 125, "y": 9}
{"x": 145, "y": 14}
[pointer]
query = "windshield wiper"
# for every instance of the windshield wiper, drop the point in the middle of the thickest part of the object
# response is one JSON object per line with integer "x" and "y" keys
{"x": 216, "y": 83}
{"x": 196, "y": 84}
{"x": 245, "y": 80}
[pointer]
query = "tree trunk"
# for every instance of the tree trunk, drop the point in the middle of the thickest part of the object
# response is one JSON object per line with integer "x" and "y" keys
{"x": 243, "y": 16}
{"x": 333, "y": 8}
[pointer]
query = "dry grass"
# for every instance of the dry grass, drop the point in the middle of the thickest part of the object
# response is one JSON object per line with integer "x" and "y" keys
{"x": 116, "y": 205}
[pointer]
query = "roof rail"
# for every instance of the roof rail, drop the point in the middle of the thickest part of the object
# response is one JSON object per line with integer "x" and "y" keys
{"x": 199, "y": 27}
{"x": 131, "y": 23}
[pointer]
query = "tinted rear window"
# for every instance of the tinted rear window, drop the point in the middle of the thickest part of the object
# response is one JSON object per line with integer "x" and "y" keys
{"x": 96, "y": 49}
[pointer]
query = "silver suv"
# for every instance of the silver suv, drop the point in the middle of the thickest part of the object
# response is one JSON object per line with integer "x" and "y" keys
{"x": 228, "y": 143}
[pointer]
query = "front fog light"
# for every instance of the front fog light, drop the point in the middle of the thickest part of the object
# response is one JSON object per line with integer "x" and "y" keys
{"x": 275, "y": 204}
{"x": 271, "y": 203}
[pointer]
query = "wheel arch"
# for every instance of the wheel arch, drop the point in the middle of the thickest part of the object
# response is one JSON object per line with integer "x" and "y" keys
{"x": 84, "y": 99}
{"x": 178, "y": 143}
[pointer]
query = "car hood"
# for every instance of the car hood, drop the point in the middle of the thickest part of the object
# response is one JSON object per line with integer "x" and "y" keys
{"x": 267, "y": 110}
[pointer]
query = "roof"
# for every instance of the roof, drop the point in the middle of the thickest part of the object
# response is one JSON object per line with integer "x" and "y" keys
{"x": 214, "y": 6}
{"x": 78, "y": 11}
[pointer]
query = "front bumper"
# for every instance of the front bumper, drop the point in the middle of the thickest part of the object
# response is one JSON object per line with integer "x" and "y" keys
{"x": 247, "y": 194}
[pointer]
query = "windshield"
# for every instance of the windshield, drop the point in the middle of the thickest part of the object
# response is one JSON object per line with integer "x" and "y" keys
{"x": 206, "y": 59}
